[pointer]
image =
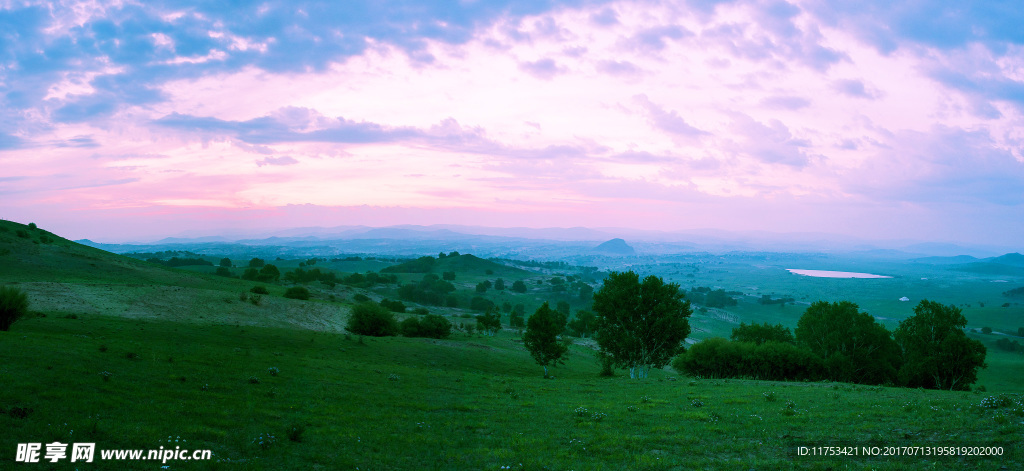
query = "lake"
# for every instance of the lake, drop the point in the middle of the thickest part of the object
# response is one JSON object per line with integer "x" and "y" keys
{"x": 833, "y": 274}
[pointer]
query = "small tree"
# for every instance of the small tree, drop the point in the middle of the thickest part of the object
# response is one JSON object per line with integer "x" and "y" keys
{"x": 373, "y": 320}
{"x": 13, "y": 306}
{"x": 223, "y": 271}
{"x": 489, "y": 322}
{"x": 518, "y": 286}
{"x": 541, "y": 337}
{"x": 269, "y": 273}
{"x": 448, "y": 276}
{"x": 499, "y": 284}
{"x": 640, "y": 325}
{"x": 256, "y": 263}
{"x": 584, "y": 323}
{"x": 225, "y": 262}
{"x": 515, "y": 319}
{"x": 936, "y": 351}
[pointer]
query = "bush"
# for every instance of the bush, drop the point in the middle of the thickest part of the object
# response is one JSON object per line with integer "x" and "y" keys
{"x": 223, "y": 271}
{"x": 22, "y": 233}
{"x": 373, "y": 320}
{"x": 431, "y": 326}
{"x": 360, "y": 298}
{"x": 297, "y": 292}
{"x": 421, "y": 311}
{"x": 32, "y": 226}
{"x": 13, "y": 306}
{"x": 393, "y": 306}
{"x": 986, "y": 330}
{"x": 259, "y": 290}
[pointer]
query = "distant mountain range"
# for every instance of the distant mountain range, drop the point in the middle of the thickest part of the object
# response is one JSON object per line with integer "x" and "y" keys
{"x": 552, "y": 242}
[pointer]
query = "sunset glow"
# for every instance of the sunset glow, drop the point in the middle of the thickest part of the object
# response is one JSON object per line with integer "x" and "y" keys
{"x": 123, "y": 121}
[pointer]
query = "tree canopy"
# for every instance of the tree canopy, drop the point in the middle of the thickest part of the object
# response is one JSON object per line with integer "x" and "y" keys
{"x": 762, "y": 333}
{"x": 937, "y": 353}
{"x": 855, "y": 347}
{"x": 541, "y": 337}
{"x": 640, "y": 325}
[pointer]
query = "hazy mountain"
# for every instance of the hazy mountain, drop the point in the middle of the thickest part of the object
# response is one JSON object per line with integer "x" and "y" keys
{"x": 614, "y": 247}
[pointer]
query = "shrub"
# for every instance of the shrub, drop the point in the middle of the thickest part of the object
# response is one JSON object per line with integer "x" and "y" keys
{"x": 986, "y": 330}
{"x": 13, "y": 306}
{"x": 435, "y": 327}
{"x": 410, "y": 327}
{"x": 431, "y": 326}
{"x": 373, "y": 320}
{"x": 297, "y": 292}
{"x": 223, "y": 271}
{"x": 259, "y": 290}
{"x": 421, "y": 311}
{"x": 22, "y": 233}
{"x": 393, "y": 306}
{"x": 32, "y": 226}
{"x": 255, "y": 299}
{"x": 360, "y": 298}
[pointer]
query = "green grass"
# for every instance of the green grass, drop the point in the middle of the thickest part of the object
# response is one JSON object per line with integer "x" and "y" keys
{"x": 462, "y": 403}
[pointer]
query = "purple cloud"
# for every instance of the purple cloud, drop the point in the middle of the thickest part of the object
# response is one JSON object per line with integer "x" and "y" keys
{"x": 668, "y": 121}
{"x": 854, "y": 88}
{"x": 785, "y": 102}
{"x": 544, "y": 69}
{"x": 284, "y": 160}
{"x": 618, "y": 68}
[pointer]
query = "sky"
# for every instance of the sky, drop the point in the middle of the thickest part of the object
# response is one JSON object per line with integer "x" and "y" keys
{"x": 875, "y": 119}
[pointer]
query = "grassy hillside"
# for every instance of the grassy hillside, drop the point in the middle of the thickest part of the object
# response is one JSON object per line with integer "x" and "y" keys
{"x": 63, "y": 277}
{"x": 464, "y": 403}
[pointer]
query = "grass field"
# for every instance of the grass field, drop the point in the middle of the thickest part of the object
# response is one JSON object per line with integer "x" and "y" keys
{"x": 126, "y": 353}
{"x": 462, "y": 403}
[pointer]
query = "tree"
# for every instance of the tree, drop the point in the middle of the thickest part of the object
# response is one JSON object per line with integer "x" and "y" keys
{"x": 541, "y": 337}
{"x": 482, "y": 286}
{"x": 373, "y": 320}
{"x": 499, "y": 284}
{"x": 518, "y": 286}
{"x": 269, "y": 273}
{"x": 223, "y": 271}
{"x": 584, "y": 323}
{"x": 761, "y": 333}
{"x": 515, "y": 319}
{"x": 256, "y": 263}
{"x": 855, "y": 348}
{"x": 225, "y": 262}
{"x": 448, "y": 276}
{"x": 937, "y": 353}
{"x": 640, "y": 325}
{"x": 13, "y": 306}
{"x": 489, "y": 321}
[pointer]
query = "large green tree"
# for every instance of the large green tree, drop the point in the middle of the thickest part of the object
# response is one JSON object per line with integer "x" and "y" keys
{"x": 640, "y": 325}
{"x": 541, "y": 337}
{"x": 937, "y": 353}
{"x": 855, "y": 347}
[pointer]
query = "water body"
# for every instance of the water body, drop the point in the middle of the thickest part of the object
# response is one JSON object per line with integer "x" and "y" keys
{"x": 833, "y": 274}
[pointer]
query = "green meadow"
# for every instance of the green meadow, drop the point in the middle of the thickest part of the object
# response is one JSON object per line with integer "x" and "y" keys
{"x": 133, "y": 355}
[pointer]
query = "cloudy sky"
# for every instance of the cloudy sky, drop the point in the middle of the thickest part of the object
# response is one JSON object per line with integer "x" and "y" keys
{"x": 881, "y": 119}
